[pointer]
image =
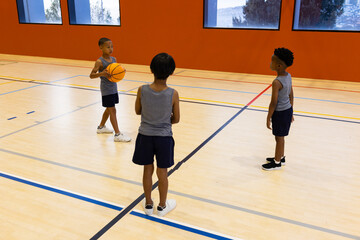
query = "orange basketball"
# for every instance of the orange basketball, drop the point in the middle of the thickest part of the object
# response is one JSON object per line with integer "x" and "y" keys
{"x": 117, "y": 72}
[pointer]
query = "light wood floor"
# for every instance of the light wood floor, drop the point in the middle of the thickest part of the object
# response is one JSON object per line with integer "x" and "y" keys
{"x": 60, "y": 180}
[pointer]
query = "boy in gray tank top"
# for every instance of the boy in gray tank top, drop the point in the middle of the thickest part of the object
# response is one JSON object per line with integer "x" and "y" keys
{"x": 159, "y": 108}
{"x": 109, "y": 92}
{"x": 280, "y": 115}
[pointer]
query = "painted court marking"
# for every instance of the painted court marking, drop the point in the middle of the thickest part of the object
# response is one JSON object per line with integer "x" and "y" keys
{"x": 194, "y": 101}
{"x": 177, "y": 166}
{"x": 209, "y": 201}
{"x": 165, "y": 221}
{"x": 204, "y": 78}
{"x": 351, "y": 236}
{"x": 29, "y": 80}
{"x": 84, "y": 87}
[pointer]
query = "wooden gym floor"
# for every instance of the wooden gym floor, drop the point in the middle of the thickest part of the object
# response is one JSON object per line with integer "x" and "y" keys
{"x": 60, "y": 180}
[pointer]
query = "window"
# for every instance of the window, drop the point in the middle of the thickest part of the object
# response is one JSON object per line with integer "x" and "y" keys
{"x": 94, "y": 12}
{"x": 327, "y": 15}
{"x": 249, "y": 14}
{"x": 40, "y": 11}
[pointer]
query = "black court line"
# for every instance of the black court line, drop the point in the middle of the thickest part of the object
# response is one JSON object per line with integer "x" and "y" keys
{"x": 206, "y": 200}
{"x": 188, "y": 101}
{"x": 177, "y": 166}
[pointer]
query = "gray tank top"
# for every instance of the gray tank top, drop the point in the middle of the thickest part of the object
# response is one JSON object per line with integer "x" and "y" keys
{"x": 156, "y": 109}
{"x": 283, "y": 98}
{"x": 107, "y": 87}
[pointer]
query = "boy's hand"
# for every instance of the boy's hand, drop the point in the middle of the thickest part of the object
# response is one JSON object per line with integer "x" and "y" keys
{"x": 268, "y": 123}
{"x": 106, "y": 74}
{"x": 292, "y": 120}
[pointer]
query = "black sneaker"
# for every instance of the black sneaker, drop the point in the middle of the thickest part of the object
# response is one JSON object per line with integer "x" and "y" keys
{"x": 273, "y": 159}
{"x": 271, "y": 166}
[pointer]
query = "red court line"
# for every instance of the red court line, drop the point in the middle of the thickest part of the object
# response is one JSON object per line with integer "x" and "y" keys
{"x": 259, "y": 95}
{"x": 215, "y": 79}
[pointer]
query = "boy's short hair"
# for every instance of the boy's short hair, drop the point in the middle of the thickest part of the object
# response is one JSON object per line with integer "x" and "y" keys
{"x": 103, "y": 40}
{"x": 162, "y": 66}
{"x": 285, "y": 55}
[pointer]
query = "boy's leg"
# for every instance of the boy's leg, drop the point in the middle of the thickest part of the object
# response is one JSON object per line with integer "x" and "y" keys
{"x": 147, "y": 182}
{"x": 113, "y": 119}
{"x": 162, "y": 174}
{"x": 280, "y": 148}
{"x": 105, "y": 117}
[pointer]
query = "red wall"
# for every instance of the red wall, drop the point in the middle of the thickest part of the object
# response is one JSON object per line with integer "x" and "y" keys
{"x": 176, "y": 27}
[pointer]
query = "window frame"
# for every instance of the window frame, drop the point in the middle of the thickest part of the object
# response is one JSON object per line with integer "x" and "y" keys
{"x": 205, "y": 14}
{"x": 89, "y": 24}
{"x": 21, "y": 10}
{"x": 316, "y": 30}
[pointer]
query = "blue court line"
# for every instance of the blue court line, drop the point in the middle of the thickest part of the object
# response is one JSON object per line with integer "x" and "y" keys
{"x": 114, "y": 207}
{"x": 210, "y": 104}
{"x": 254, "y": 110}
{"x": 50, "y": 119}
{"x": 177, "y": 166}
{"x": 16, "y": 117}
{"x": 21, "y": 89}
{"x": 184, "y": 86}
{"x": 323, "y": 100}
{"x": 261, "y": 110}
{"x": 204, "y": 200}
{"x": 236, "y": 91}
{"x": 213, "y": 104}
{"x": 61, "y": 115}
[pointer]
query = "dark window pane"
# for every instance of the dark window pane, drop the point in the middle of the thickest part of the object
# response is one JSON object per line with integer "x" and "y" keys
{"x": 94, "y": 12}
{"x": 331, "y": 15}
{"x": 39, "y": 11}
{"x": 259, "y": 14}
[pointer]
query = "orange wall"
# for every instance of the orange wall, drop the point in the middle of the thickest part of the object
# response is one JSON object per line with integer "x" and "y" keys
{"x": 176, "y": 27}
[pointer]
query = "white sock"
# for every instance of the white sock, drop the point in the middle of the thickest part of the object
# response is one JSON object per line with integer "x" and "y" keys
{"x": 277, "y": 162}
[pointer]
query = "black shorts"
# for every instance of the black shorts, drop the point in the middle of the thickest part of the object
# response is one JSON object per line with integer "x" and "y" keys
{"x": 148, "y": 146}
{"x": 281, "y": 121}
{"x": 110, "y": 100}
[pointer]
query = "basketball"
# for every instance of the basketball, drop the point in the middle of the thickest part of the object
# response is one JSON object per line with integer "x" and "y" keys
{"x": 117, "y": 72}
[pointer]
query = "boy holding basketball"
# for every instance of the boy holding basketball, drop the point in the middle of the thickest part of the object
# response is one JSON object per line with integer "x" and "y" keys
{"x": 159, "y": 108}
{"x": 108, "y": 89}
{"x": 280, "y": 114}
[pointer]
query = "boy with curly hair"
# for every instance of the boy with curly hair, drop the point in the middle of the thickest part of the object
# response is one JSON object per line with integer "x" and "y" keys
{"x": 280, "y": 114}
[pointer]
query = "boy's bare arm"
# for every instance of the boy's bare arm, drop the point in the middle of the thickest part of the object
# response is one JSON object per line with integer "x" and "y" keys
{"x": 291, "y": 96}
{"x": 138, "y": 102}
{"x": 94, "y": 72}
{"x": 175, "y": 117}
{"x": 276, "y": 86}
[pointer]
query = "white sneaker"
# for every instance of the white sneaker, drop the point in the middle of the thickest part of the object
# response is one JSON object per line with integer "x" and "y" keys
{"x": 104, "y": 129}
{"x": 170, "y": 205}
{"x": 148, "y": 211}
{"x": 121, "y": 138}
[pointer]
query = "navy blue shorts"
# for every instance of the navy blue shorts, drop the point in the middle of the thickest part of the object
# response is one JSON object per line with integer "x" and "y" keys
{"x": 110, "y": 100}
{"x": 281, "y": 121}
{"x": 146, "y": 147}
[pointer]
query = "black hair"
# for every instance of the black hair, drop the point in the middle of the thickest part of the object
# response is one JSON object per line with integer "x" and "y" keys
{"x": 162, "y": 66}
{"x": 103, "y": 40}
{"x": 285, "y": 55}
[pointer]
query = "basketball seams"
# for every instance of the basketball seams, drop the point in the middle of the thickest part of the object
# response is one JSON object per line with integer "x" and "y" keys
{"x": 116, "y": 76}
{"x": 114, "y": 69}
{"x": 119, "y": 73}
